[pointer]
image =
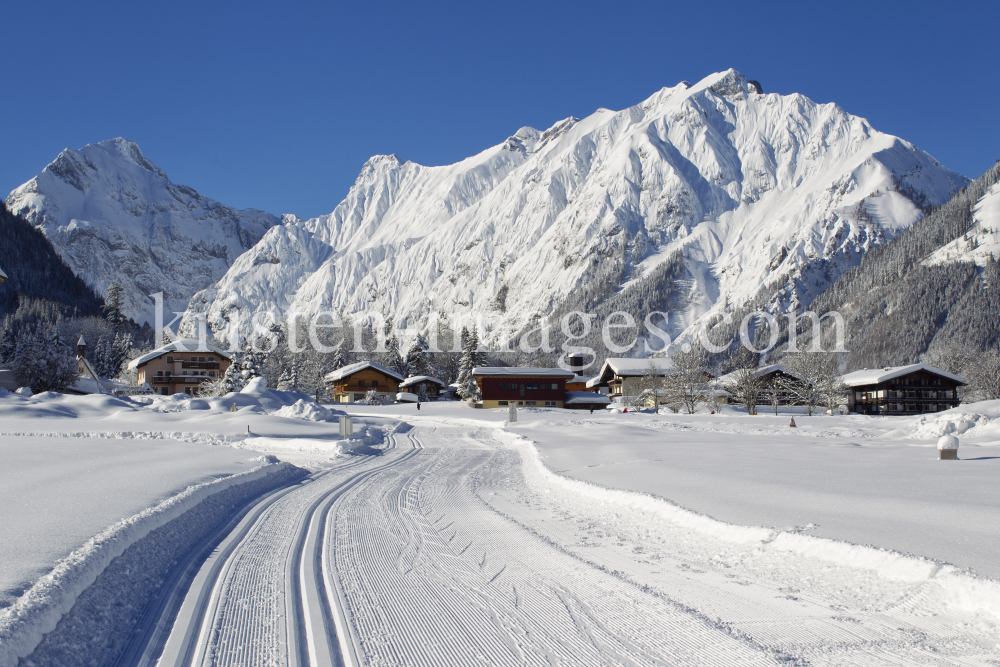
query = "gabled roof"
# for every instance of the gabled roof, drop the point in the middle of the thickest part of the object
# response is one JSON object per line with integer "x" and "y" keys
{"x": 521, "y": 371}
{"x": 182, "y": 346}
{"x": 760, "y": 372}
{"x": 630, "y": 367}
{"x": 341, "y": 373}
{"x": 877, "y": 375}
{"x": 416, "y": 379}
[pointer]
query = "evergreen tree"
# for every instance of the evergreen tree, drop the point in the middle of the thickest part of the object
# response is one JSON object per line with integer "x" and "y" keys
{"x": 472, "y": 358}
{"x": 392, "y": 358}
{"x": 338, "y": 359}
{"x": 8, "y": 341}
{"x": 418, "y": 357}
{"x": 44, "y": 362}
{"x": 114, "y": 305}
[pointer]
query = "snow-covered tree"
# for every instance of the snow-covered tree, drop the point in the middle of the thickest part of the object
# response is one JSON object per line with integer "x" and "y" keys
{"x": 417, "y": 358}
{"x": 472, "y": 357}
{"x": 687, "y": 383}
{"x": 984, "y": 375}
{"x": 807, "y": 375}
{"x": 44, "y": 362}
{"x": 392, "y": 358}
{"x": 284, "y": 381}
{"x": 114, "y": 304}
{"x": 8, "y": 341}
{"x": 372, "y": 397}
{"x": 422, "y": 394}
{"x": 338, "y": 357}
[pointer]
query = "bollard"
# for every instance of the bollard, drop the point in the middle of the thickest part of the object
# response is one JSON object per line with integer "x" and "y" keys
{"x": 346, "y": 426}
{"x": 948, "y": 448}
{"x": 512, "y": 412}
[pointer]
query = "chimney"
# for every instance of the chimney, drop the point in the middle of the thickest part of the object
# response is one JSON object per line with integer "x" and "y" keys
{"x": 575, "y": 362}
{"x": 81, "y": 348}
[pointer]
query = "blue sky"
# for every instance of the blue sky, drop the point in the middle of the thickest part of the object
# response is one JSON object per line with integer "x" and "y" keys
{"x": 278, "y": 105}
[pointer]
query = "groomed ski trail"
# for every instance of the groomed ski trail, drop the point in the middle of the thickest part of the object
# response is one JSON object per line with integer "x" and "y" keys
{"x": 448, "y": 550}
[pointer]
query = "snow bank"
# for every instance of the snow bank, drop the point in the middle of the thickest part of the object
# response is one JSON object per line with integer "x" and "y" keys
{"x": 944, "y": 586}
{"x": 534, "y": 468}
{"x": 302, "y": 409}
{"x": 37, "y": 612}
{"x": 977, "y": 418}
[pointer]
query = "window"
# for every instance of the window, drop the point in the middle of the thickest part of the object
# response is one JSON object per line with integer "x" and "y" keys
{"x": 550, "y": 404}
{"x": 503, "y": 404}
{"x": 170, "y": 360}
{"x": 159, "y": 373}
{"x": 531, "y": 403}
{"x": 167, "y": 373}
{"x": 532, "y": 385}
{"x": 361, "y": 383}
{"x": 211, "y": 374}
{"x": 508, "y": 386}
{"x": 375, "y": 384}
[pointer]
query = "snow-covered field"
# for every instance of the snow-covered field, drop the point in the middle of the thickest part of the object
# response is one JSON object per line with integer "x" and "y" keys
{"x": 447, "y": 536}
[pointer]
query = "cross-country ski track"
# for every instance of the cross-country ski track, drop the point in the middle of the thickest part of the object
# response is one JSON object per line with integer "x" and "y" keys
{"x": 453, "y": 547}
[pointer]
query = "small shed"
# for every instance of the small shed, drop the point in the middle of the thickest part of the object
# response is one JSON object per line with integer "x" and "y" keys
{"x": 432, "y": 386}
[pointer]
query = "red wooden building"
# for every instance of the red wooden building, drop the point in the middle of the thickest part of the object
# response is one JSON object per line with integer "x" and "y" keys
{"x": 527, "y": 387}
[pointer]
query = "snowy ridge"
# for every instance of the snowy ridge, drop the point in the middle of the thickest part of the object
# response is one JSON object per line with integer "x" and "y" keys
{"x": 982, "y": 242}
{"x": 944, "y": 586}
{"x": 755, "y": 189}
{"x": 23, "y": 625}
{"x": 114, "y": 216}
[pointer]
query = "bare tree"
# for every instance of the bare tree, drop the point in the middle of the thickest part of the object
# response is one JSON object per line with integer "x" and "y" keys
{"x": 688, "y": 382}
{"x": 775, "y": 393}
{"x": 743, "y": 384}
{"x": 813, "y": 379}
{"x": 984, "y": 376}
{"x": 651, "y": 387}
{"x": 831, "y": 387}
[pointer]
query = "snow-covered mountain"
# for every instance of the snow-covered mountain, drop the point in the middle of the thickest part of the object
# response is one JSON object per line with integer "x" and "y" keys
{"x": 753, "y": 188}
{"x": 114, "y": 216}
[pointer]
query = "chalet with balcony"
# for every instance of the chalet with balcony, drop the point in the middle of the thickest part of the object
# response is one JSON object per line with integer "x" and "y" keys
{"x": 179, "y": 367}
{"x": 350, "y": 383}
{"x": 525, "y": 387}
{"x": 770, "y": 377}
{"x": 622, "y": 377}
{"x": 432, "y": 386}
{"x": 902, "y": 390}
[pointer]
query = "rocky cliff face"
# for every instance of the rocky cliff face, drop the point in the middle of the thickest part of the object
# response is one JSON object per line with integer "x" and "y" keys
{"x": 753, "y": 189}
{"x": 114, "y": 216}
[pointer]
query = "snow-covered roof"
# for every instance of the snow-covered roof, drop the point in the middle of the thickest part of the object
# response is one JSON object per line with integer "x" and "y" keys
{"x": 763, "y": 370}
{"x": 522, "y": 371}
{"x": 85, "y": 385}
{"x": 585, "y": 397}
{"x": 416, "y": 379}
{"x": 581, "y": 378}
{"x": 181, "y": 345}
{"x": 81, "y": 341}
{"x": 877, "y": 375}
{"x": 629, "y": 367}
{"x": 341, "y": 373}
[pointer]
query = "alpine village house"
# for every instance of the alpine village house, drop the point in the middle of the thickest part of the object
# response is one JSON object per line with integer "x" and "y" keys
{"x": 179, "y": 367}
{"x": 902, "y": 390}
{"x": 351, "y": 383}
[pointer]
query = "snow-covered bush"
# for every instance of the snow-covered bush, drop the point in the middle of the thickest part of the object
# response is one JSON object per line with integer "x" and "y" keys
{"x": 373, "y": 398}
{"x": 44, "y": 362}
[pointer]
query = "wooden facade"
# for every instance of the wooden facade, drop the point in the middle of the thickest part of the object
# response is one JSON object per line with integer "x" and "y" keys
{"x": 171, "y": 371}
{"x": 525, "y": 387}
{"x": 432, "y": 386}
{"x": 902, "y": 390}
{"x": 352, "y": 383}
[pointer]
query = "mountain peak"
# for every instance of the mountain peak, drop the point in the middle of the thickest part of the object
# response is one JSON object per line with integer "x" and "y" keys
{"x": 731, "y": 83}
